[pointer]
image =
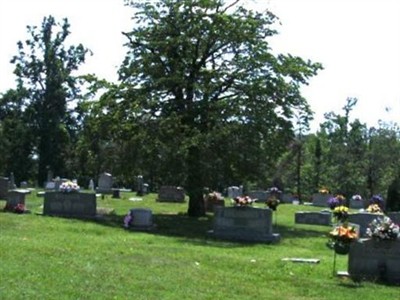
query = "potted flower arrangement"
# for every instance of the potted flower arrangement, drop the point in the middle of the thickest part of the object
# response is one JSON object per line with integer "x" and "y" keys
{"x": 242, "y": 201}
{"x": 341, "y": 213}
{"x": 212, "y": 199}
{"x": 383, "y": 228}
{"x": 376, "y": 202}
{"x": 272, "y": 202}
{"x": 338, "y": 200}
{"x": 342, "y": 236}
{"x": 69, "y": 187}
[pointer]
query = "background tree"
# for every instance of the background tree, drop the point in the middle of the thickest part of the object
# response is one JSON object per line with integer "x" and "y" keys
{"x": 17, "y": 142}
{"x": 44, "y": 68}
{"x": 204, "y": 71}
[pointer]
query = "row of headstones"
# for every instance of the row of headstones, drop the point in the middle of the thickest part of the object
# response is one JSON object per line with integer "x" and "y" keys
{"x": 260, "y": 195}
{"x": 324, "y": 217}
{"x": 321, "y": 200}
{"x": 369, "y": 259}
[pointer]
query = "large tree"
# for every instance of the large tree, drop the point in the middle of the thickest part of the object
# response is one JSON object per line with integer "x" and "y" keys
{"x": 205, "y": 72}
{"x": 44, "y": 68}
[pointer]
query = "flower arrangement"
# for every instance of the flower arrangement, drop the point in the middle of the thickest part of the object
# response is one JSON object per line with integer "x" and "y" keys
{"x": 18, "y": 209}
{"x": 344, "y": 233}
{"x": 336, "y": 201}
{"x": 128, "y": 220}
{"x": 383, "y": 229}
{"x": 213, "y": 197}
{"x": 377, "y": 200}
{"x": 342, "y": 236}
{"x": 323, "y": 191}
{"x": 69, "y": 187}
{"x": 272, "y": 202}
{"x": 341, "y": 213}
{"x": 356, "y": 198}
{"x": 274, "y": 190}
{"x": 242, "y": 201}
{"x": 374, "y": 208}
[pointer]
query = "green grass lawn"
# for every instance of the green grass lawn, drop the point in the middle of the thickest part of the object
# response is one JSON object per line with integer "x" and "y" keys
{"x": 44, "y": 257}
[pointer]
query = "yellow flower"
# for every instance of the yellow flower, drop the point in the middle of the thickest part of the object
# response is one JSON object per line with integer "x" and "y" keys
{"x": 374, "y": 208}
{"x": 323, "y": 190}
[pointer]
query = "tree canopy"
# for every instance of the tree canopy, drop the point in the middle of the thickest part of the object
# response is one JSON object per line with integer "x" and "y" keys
{"x": 204, "y": 72}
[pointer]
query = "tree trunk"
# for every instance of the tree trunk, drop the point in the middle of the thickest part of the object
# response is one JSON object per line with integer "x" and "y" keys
{"x": 195, "y": 183}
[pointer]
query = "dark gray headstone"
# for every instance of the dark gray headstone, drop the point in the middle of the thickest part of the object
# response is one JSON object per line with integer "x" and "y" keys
{"x": 375, "y": 260}
{"x": 171, "y": 194}
{"x": 356, "y": 204}
{"x": 15, "y": 197}
{"x": 4, "y": 186}
{"x": 142, "y": 218}
{"x": 261, "y": 196}
{"x": 313, "y": 218}
{"x": 105, "y": 184}
{"x": 244, "y": 224}
{"x": 69, "y": 204}
{"x": 363, "y": 219}
{"x": 321, "y": 200}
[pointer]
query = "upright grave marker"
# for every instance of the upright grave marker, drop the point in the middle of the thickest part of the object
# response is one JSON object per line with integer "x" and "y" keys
{"x": 105, "y": 184}
{"x": 69, "y": 204}
{"x": 247, "y": 224}
{"x": 171, "y": 194}
{"x": 371, "y": 259}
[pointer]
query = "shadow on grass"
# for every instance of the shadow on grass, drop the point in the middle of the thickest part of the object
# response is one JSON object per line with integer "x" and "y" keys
{"x": 195, "y": 230}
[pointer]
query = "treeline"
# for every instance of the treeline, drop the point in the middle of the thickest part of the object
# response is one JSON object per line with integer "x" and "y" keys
{"x": 201, "y": 101}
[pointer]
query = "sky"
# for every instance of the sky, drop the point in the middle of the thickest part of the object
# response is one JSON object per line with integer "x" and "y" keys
{"x": 357, "y": 42}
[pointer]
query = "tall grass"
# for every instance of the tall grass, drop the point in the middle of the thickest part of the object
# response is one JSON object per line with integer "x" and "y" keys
{"x": 44, "y": 257}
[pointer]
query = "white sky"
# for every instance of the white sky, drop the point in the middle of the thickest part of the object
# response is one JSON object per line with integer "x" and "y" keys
{"x": 357, "y": 41}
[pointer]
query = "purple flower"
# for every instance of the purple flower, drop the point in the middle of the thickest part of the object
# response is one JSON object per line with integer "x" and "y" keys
{"x": 333, "y": 202}
{"x": 127, "y": 220}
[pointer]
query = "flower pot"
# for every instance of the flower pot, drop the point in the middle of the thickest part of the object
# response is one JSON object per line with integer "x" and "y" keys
{"x": 341, "y": 248}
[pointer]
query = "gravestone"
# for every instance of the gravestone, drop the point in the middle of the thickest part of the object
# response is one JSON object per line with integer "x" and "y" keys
{"x": 371, "y": 259}
{"x": 261, "y": 196}
{"x": 12, "y": 181}
{"x": 23, "y": 185}
{"x": 142, "y": 219}
{"x": 234, "y": 191}
{"x": 363, "y": 219}
{"x": 287, "y": 198}
{"x": 69, "y": 204}
{"x": 91, "y": 185}
{"x": 213, "y": 199}
{"x": 246, "y": 224}
{"x": 313, "y": 217}
{"x": 356, "y": 204}
{"x": 50, "y": 185}
{"x": 321, "y": 199}
{"x": 139, "y": 189}
{"x": 15, "y": 197}
{"x": 4, "y": 186}
{"x": 105, "y": 183}
{"x": 145, "y": 188}
{"x": 171, "y": 194}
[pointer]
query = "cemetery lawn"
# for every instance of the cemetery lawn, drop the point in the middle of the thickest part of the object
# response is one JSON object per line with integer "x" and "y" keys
{"x": 44, "y": 257}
